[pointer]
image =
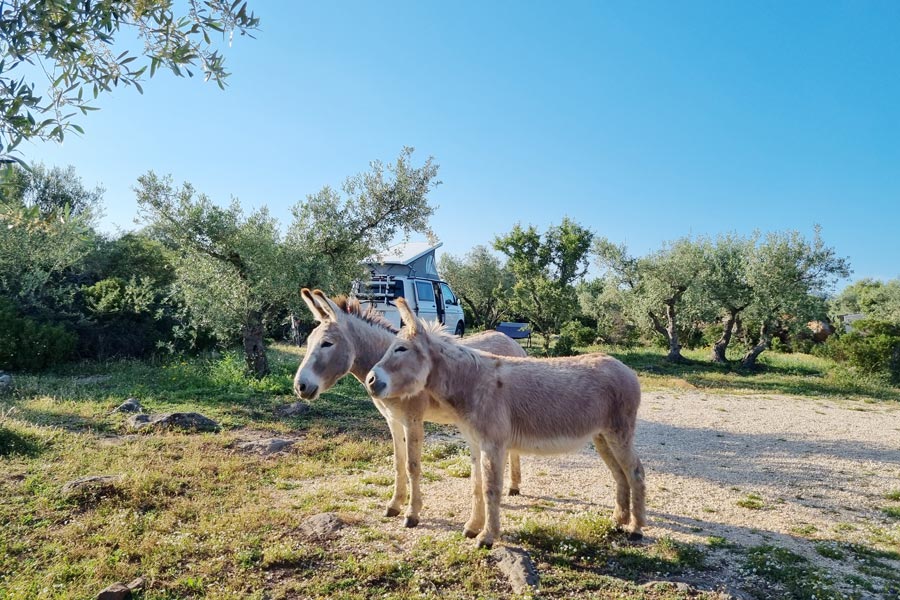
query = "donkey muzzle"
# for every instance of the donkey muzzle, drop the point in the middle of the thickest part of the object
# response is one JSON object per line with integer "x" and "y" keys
{"x": 375, "y": 385}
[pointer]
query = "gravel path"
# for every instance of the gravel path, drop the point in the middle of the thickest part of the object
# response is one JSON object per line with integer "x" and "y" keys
{"x": 820, "y": 469}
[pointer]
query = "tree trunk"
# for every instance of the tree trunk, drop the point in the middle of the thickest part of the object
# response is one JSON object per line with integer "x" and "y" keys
{"x": 254, "y": 346}
{"x": 721, "y": 345}
{"x": 672, "y": 332}
{"x": 749, "y": 360}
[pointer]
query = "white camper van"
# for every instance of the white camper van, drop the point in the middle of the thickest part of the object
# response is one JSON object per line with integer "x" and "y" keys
{"x": 410, "y": 271}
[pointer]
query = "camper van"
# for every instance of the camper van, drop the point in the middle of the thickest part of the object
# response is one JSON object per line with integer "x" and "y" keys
{"x": 410, "y": 271}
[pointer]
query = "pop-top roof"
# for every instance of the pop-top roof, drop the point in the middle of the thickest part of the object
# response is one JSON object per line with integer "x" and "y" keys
{"x": 403, "y": 254}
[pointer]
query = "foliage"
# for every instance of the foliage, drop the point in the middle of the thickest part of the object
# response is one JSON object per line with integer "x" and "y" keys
{"x": 607, "y": 304}
{"x": 545, "y": 269}
{"x": 660, "y": 285}
{"x": 872, "y": 347}
{"x": 336, "y": 232}
{"x": 875, "y": 299}
{"x": 483, "y": 284}
{"x": 789, "y": 276}
{"x": 237, "y": 272}
{"x": 73, "y": 44}
{"x": 45, "y": 237}
{"x": 26, "y": 344}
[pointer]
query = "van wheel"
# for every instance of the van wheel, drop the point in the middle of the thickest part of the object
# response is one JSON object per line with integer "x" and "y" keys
{"x": 460, "y": 329}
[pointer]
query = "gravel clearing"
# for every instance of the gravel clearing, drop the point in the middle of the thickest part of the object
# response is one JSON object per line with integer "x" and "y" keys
{"x": 814, "y": 470}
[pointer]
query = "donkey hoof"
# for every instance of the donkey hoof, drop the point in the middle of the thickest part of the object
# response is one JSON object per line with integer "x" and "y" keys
{"x": 469, "y": 533}
{"x": 391, "y": 512}
{"x": 513, "y": 491}
{"x": 410, "y": 522}
{"x": 483, "y": 543}
{"x": 635, "y": 536}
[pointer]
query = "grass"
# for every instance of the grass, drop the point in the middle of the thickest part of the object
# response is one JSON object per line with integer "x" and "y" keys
{"x": 751, "y": 501}
{"x": 198, "y": 519}
{"x": 777, "y": 372}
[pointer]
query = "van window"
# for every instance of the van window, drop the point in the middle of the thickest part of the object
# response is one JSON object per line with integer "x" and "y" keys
{"x": 398, "y": 289}
{"x": 425, "y": 291}
{"x": 449, "y": 298}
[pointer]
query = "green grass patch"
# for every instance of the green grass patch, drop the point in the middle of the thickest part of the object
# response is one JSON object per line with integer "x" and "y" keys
{"x": 791, "y": 572}
{"x": 893, "y": 495}
{"x": 891, "y": 511}
{"x": 752, "y": 502}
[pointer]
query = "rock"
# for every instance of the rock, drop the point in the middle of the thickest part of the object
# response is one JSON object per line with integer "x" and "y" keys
{"x": 294, "y": 409}
{"x": 117, "y": 591}
{"x": 265, "y": 447}
{"x": 6, "y": 383}
{"x": 129, "y": 406}
{"x": 136, "y": 585}
{"x": 92, "y": 486}
{"x": 187, "y": 421}
{"x": 321, "y": 527}
{"x": 516, "y": 565}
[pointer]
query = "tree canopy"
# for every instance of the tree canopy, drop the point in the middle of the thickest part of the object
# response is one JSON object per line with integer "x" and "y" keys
{"x": 73, "y": 50}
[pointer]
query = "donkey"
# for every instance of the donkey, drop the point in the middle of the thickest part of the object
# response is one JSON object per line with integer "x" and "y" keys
{"x": 527, "y": 405}
{"x": 349, "y": 340}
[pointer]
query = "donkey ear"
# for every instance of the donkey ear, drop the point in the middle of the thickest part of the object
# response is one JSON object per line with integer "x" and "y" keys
{"x": 330, "y": 308}
{"x": 311, "y": 304}
{"x": 409, "y": 319}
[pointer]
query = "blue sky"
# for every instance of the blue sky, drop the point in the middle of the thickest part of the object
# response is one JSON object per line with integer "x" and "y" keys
{"x": 642, "y": 121}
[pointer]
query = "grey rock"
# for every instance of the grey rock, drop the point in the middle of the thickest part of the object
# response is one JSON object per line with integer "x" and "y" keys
{"x": 132, "y": 405}
{"x": 321, "y": 527}
{"x": 136, "y": 584}
{"x": 190, "y": 421}
{"x": 6, "y": 382}
{"x": 294, "y": 409}
{"x": 92, "y": 486}
{"x": 265, "y": 447}
{"x": 117, "y": 591}
{"x": 516, "y": 565}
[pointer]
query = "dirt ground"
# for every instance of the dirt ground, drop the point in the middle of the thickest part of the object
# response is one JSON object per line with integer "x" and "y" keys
{"x": 807, "y": 471}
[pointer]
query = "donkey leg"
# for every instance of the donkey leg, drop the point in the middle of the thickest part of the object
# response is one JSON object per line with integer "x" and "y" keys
{"x": 634, "y": 470}
{"x": 621, "y": 514}
{"x": 515, "y": 473}
{"x": 415, "y": 432}
{"x": 400, "y": 490}
{"x": 476, "y": 520}
{"x": 492, "y": 463}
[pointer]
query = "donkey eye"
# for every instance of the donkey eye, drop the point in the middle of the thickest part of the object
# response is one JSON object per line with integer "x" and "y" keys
{"x": 400, "y": 349}
{"x": 327, "y": 344}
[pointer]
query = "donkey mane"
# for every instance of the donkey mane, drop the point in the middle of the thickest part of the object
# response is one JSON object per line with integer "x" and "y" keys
{"x": 354, "y": 308}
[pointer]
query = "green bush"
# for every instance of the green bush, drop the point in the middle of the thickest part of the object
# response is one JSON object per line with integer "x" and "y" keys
{"x": 26, "y": 344}
{"x": 873, "y": 347}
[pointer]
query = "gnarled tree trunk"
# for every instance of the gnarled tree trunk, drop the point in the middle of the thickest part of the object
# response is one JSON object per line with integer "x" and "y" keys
{"x": 670, "y": 331}
{"x": 721, "y": 345}
{"x": 254, "y": 346}
{"x": 749, "y": 360}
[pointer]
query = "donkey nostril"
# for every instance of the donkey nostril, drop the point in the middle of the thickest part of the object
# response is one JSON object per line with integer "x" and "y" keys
{"x": 302, "y": 387}
{"x": 370, "y": 379}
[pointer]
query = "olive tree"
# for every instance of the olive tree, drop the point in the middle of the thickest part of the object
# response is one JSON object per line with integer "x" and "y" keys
{"x": 545, "y": 269}
{"x": 57, "y": 57}
{"x": 238, "y": 271}
{"x": 789, "y": 277}
{"x": 658, "y": 283}
{"x": 482, "y": 282}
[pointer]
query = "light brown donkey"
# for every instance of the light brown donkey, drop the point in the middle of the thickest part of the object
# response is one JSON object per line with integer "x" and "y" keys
{"x": 350, "y": 340}
{"x": 527, "y": 405}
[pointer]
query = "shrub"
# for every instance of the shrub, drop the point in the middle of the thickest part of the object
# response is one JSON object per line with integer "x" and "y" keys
{"x": 28, "y": 345}
{"x": 873, "y": 347}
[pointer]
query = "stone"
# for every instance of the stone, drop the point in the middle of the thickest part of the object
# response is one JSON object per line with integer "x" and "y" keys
{"x": 294, "y": 409}
{"x": 6, "y": 382}
{"x": 95, "y": 486}
{"x": 321, "y": 527}
{"x": 132, "y": 405}
{"x": 117, "y": 591}
{"x": 190, "y": 421}
{"x": 516, "y": 565}
{"x": 136, "y": 585}
{"x": 266, "y": 447}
